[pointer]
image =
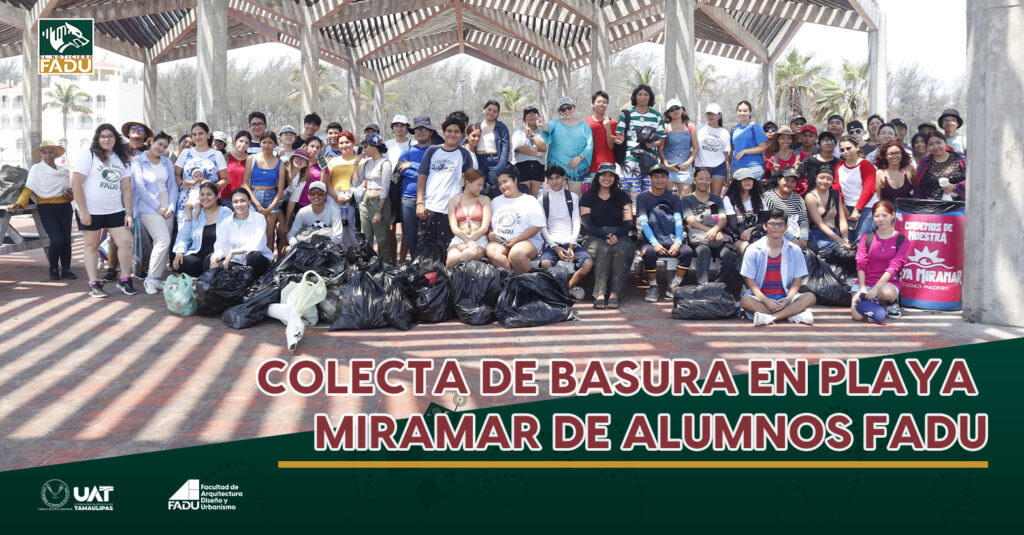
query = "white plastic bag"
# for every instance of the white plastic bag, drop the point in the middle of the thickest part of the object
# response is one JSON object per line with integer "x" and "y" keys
{"x": 305, "y": 295}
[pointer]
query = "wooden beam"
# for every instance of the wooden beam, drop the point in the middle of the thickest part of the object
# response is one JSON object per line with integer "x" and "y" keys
{"x": 580, "y": 8}
{"x": 778, "y": 48}
{"x": 42, "y": 9}
{"x": 630, "y": 10}
{"x": 409, "y": 46}
{"x": 397, "y": 63}
{"x": 260, "y": 13}
{"x": 12, "y": 15}
{"x": 122, "y": 10}
{"x": 425, "y": 62}
{"x": 395, "y": 32}
{"x": 269, "y": 28}
{"x": 518, "y": 30}
{"x": 868, "y": 10}
{"x": 714, "y": 48}
{"x": 175, "y": 34}
{"x": 10, "y": 50}
{"x": 189, "y": 51}
{"x": 118, "y": 46}
{"x": 460, "y": 28}
{"x": 375, "y": 8}
{"x": 553, "y": 11}
{"x": 738, "y": 32}
{"x": 793, "y": 10}
{"x": 285, "y": 10}
{"x": 325, "y": 9}
{"x": 486, "y": 44}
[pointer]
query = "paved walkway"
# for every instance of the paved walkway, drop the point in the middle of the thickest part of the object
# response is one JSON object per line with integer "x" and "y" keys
{"x": 83, "y": 378}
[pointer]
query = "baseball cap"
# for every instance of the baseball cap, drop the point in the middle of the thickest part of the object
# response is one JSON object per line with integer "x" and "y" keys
{"x": 371, "y": 126}
{"x": 318, "y": 185}
{"x": 789, "y": 170}
{"x": 565, "y": 100}
{"x": 221, "y": 136}
{"x": 286, "y": 129}
{"x": 301, "y": 153}
{"x": 809, "y": 128}
{"x": 871, "y": 310}
{"x": 607, "y": 167}
{"x": 529, "y": 110}
{"x": 375, "y": 140}
{"x": 657, "y": 168}
{"x": 742, "y": 172}
{"x": 673, "y": 103}
{"x": 713, "y": 108}
{"x": 399, "y": 119}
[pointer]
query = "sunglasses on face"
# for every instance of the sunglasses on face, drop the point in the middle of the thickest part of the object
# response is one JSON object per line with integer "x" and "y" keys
{"x": 770, "y": 130}
{"x": 317, "y": 193}
{"x": 857, "y": 131}
{"x": 564, "y": 109}
{"x": 846, "y": 149}
{"x": 136, "y": 129}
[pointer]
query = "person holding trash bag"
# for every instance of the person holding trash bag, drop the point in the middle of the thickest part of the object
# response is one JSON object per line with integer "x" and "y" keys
{"x": 825, "y": 209}
{"x": 660, "y": 214}
{"x": 880, "y": 259}
{"x": 562, "y": 215}
{"x": 320, "y": 217}
{"x": 606, "y": 213}
{"x": 196, "y": 237}
{"x": 773, "y": 270}
{"x": 242, "y": 239}
{"x": 469, "y": 216}
{"x": 516, "y": 222}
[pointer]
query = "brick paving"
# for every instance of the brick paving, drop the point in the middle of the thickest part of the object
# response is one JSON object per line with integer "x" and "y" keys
{"x": 84, "y": 378}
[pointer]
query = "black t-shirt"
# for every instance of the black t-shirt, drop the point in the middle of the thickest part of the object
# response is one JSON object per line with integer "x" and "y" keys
{"x": 209, "y": 239}
{"x": 810, "y": 167}
{"x": 605, "y": 213}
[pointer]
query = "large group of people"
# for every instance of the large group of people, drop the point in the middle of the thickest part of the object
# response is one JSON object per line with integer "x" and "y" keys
{"x": 594, "y": 192}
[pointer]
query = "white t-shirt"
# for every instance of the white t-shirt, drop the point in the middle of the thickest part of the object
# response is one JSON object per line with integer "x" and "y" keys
{"x": 160, "y": 173}
{"x": 102, "y": 184}
{"x": 713, "y": 142}
{"x": 443, "y": 169}
{"x": 511, "y": 217}
{"x": 562, "y": 227}
{"x": 396, "y": 149}
{"x": 209, "y": 162}
{"x": 729, "y": 209}
{"x": 519, "y": 139}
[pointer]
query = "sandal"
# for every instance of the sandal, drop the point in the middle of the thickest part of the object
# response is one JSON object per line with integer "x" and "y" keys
{"x": 613, "y": 302}
{"x": 600, "y": 303}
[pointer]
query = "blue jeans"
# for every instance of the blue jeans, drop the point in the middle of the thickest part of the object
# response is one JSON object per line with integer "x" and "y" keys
{"x": 825, "y": 244}
{"x": 410, "y": 224}
{"x": 489, "y": 165}
{"x": 865, "y": 225}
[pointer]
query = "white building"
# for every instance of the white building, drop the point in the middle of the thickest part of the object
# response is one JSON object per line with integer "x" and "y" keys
{"x": 111, "y": 99}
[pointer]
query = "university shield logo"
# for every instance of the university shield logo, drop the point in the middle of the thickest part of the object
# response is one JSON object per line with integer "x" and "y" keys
{"x": 65, "y": 46}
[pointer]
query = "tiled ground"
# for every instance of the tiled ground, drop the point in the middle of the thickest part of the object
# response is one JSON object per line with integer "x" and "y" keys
{"x": 83, "y": 378}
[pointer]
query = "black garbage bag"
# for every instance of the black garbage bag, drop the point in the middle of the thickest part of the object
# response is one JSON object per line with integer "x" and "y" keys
{"x": 220, "y": 288}
{"x": 823, "y": 283}
{"x": 360, "y": 253}
{"x": 318, "y": 254}
{"x": 709, "y": 301}
{"x": 253, "y": 310}
{"x": 843, "y": 257}
{"x": 430, "y": 254}
{"x": 365, "y": 304}
{"x": 431, "y": 300}
{"x": 928, "y": 206}
{"x": 534, "y": 298}
{"x": 476, "y": 287}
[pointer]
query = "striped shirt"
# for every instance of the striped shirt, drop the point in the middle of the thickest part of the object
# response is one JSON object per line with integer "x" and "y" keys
{"x": 796, "y": 213}
{"x": 637, "y": 121}
{"x": 772, "y": 285}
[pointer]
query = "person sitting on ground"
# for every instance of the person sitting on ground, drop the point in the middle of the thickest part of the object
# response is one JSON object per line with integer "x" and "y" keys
{"x": 242, "y": 239}
{"x": 469, "y": 216}
{"x": 562, "y": 212}
{"x": 516, "y": 222}
{"x": 704, "y": 214}
{"x": 660, "y": 214}
{"x": 825, "y": 209}
{"x": 783, "y": 197}
{"x": 320, "y": 217}
{"x": 881, "y": 256}
{"x": 606, "y": 214}
{"x": 196, "y": 237}
{"x": 742, "y": 203}
{"x": 773, "y": 270}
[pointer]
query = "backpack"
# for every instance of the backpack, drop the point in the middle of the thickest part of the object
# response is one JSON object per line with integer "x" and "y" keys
{"x": 546, "y": 202}
{"x": 619, "y": 151}
{"x": 900, "y": 238}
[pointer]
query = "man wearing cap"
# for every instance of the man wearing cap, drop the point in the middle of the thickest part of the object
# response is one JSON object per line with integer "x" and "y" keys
{"x": 370, "y": 128}
{"x": 797, "y": 123}
{"x": 660, "y": 214}
{"x": 784, "y": 198}
{"x": 950, "y": 121}
{"x": 807, "y": 140}
{"x": 637, "y": 117}
{"x": 408, "y": 168}
{"x": 855, "y": 128}
{"x": 773, "y": 270}
{"x": 529, "y": 150}
{"x": 137, "y": 135}
{"x": 319, "y": 217}
{"x": 287, "y": 137}
{"x": 901, "y": 131}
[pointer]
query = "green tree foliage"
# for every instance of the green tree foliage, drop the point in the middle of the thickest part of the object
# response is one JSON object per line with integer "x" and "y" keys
{"x": 68, "y": 99}
{"x": 794, "y": 83}
{"x": 845, "y": 95}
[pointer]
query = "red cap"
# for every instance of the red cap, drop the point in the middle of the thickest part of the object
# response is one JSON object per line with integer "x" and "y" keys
{"x": 809, "y": 127}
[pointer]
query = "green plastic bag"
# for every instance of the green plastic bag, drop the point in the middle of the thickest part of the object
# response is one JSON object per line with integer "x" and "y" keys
{"x": 180, "y": 295}
{"x": 305, "y": 295}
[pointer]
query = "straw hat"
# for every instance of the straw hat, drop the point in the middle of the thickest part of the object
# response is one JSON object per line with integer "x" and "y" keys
{"x": 47, "y": 145}
{"x": 129, "y": 124}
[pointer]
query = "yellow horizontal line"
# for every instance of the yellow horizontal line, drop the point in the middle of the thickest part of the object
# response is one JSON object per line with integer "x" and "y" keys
{"x": 632, "y": 464}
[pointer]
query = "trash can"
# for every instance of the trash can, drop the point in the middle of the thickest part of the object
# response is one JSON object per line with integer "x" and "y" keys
{"x": 932, "y": 278}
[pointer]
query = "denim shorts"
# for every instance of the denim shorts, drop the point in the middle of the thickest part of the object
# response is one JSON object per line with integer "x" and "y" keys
{"x": 264, "y": 197}
{"x": 682, "y": 177}
{"x": 719, "y": 171}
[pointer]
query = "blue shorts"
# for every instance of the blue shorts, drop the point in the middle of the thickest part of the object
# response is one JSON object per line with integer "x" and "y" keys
{"x": 719, "y": 171}
{"x": 264, "y": 197}
{"x": 579, "y": 255}
{"x": 683, "y": 177}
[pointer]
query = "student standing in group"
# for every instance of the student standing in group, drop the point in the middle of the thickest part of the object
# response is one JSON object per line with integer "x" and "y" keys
{"x": 287, "y": 137}
{"x": 397, "y": 146}
{"x": 714, "y": 147}
{"x": 333, "y": 148}
{"x": 810, "y": 166}
{"x": 409, "y": 170}
{"x": 495, "y": 146}
{"x": 374, "y": 208}
{"x": 680, "y": 147}
{"x": 950, "y": 121}
{"x": 438, "y": 181}
{"x": 155, "y": 194}
{"x": 341, "y": 172}
{"x": 469, "y": 218}
{"x": 310, "y": 129}
{"x": 258, "y": 126}
{"x": 836, "y": 125}
{"x": 808, "y": 140}
{"x": 236, "y": 166}
{"x": 103, "y": 191}
{"x": 886, "y": 133}
{"x": 264, "y": 181}
{"x": 49, "y": 185}
{"x": 875, "y": 122}
{"x": 748, "y": 143}
{"x": 138, "y": 135}
{"x": 570, "y": 144}
{"x": 530, "y": 150}
{"x": 780, "y": 154}
{"x": 562, "y": 229}
{"x": 942, "y": 174}
{"x": 773, "y": 270}
{"x": 637, "y": 117}
{"x": 196, "y": 164}
{"x": 297, "y": 175}
{"x": 855, "y": 180}
{"x": 602, "y": 128}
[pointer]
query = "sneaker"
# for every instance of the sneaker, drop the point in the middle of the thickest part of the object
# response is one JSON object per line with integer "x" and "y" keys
{"x": 126, "y": 287}
{"x": 151, "y": 286}
{"x": 96, "y": 289}
{"x": 54, "y": 275}
{"x": 577, "y": 293}
{"x": 652, "y": 294}
{"x": 671, "y": 292}
{"x": 804, "y": 317}
{"x": 893, "y": 311}
{"x": 142, "y": 276}
{"x": 68, "y": 274}
{"x": 159, "y": 284}
{"x": 760, "y": 318}
{"x": 109, "y": 276}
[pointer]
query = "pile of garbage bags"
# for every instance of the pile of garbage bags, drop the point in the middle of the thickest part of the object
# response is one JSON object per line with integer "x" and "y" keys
{"x": 831, "y": 278}
{"x": 709, "y": 301}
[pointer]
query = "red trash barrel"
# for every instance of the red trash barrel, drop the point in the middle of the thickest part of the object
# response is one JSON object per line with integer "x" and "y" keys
{"x": 932, "y": 278}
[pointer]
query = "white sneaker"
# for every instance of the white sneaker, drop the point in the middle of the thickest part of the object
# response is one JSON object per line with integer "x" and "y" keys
{"x": 152, "y": 286}
{"x": 160, "y": 285}
{"x": 760, "y": 319}
{"x": 804, "y": 317}
{"x": 577, "y": 293}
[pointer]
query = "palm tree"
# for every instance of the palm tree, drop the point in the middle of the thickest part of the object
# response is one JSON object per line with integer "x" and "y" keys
{"x": 512, "y": 99}
{"x": 66, "y": 98}
{"x": 326, "y": 89}
{"x": 794, "y": 79}
{"x": 704, "y": 84}
{"x": 846, "y": 96}
{"x": 368, "y": 101}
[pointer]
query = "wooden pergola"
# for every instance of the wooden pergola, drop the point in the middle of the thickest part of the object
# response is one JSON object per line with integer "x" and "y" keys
{"x": 380, "y": 40}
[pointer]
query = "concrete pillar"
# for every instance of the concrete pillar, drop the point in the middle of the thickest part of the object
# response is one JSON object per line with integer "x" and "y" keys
{"x": 878, "y": 83}
{"x": 212, "y": 55}
{"x": 310, "y": 60}
{"x": 600, "y": 45}
{"x": 542, "y": 100}
{"x": 378, "y": 107}
{"x": 768, "y": 94}
{"x": 995, "y": 52}
{"x": 355, "y": 89}
{"x": 679, "y": 57}
{"x": 31, "y": 91}
{"x": 564, "y": 88}
{"x": 149, "y": 93}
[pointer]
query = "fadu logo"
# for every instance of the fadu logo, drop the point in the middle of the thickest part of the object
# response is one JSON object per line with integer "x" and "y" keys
{"x": 185, "y": 498}
{"x": 100, "y": 494}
